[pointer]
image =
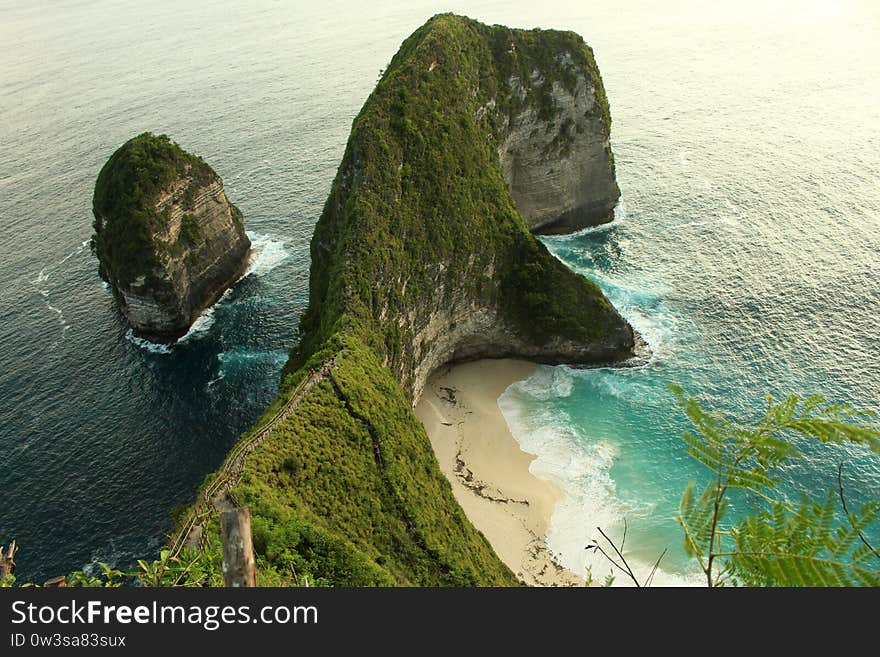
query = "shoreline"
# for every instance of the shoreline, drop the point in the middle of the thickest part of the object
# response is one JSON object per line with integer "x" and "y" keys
{"x": 488, "y": 471}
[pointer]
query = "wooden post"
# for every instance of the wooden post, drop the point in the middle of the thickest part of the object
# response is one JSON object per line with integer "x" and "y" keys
{"x": 238, "y": 548}
{"x": 7, "y": 560}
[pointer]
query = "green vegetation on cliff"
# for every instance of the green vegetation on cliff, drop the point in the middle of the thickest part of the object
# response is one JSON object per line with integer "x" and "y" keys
{"x": 420, "y": 189}
{"x": 124, "y": 203}
{"x": 347, "y": 490}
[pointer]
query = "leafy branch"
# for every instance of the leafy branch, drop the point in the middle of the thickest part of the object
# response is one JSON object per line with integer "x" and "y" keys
{"x": 783, "y": 544}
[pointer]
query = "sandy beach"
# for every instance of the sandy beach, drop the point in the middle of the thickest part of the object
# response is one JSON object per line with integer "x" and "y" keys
{"x": 488, "y": 471}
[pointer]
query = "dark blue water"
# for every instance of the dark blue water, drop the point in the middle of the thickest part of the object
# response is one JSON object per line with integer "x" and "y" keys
{"x": 747, "y": 147}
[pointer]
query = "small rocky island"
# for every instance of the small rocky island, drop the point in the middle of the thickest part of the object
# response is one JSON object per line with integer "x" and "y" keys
{"x": 168, "y": 240}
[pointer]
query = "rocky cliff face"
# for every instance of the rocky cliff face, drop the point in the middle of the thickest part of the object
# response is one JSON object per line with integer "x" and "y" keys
{"x": 558, "y": 162}
{"x": 462, "y": 330}
{"x": 168, "y": 240}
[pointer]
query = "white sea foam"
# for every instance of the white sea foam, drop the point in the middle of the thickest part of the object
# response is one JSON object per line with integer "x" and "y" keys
{"x": 199, "y": 329}
{"x": 548, "y": 382}
{"x": 565, "y": 453}
{"x": 56, "y": 310}
{"x": 658, "y": 328}
{"x": 619, "y": 217}
{"x": 251, "y": 355}
{"x": 582, "y": 470}
{"x": 38, "y": 282}
{"x": 266, "y": 254}
{"x": 644, "y": 307}
{"x": 228, "y": 358}
{"x": 152, "y": 347}
{"x": 205, "y": 321}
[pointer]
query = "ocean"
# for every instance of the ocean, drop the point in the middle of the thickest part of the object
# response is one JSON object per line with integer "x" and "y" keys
{"x": 747, "y": 139}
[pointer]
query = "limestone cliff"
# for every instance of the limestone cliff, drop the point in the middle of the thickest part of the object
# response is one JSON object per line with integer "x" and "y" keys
{"x": 473, "y": 136}
{"x": 555, "y": 153}
{"x": 168, "y": 240}
{"x": 420, "y": 257}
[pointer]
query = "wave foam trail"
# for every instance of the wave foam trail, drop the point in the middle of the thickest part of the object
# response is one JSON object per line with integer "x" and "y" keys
{"x": 235, "y": 360}
{"x": 267, "y": 253}
{"x": 619, "y": 217}
{"x": 152, "y": 347}
{"x": 38, "y": 283}
{"x": 644, "y": 307}
{"x": 74, "y": 252}
{"x": 205, "y": 321}
{"x": 237, "y": 357}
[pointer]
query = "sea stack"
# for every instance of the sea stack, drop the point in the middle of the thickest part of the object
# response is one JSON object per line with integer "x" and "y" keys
{"x": 168, "y": 240}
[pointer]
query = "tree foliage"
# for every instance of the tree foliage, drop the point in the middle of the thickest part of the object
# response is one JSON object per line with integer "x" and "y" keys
{"x": 124, "y": 203}
{"x": 811, "y": 543}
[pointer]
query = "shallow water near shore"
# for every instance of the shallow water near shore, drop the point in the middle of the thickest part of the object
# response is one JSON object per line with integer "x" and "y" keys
{"x": 746, "y": 253}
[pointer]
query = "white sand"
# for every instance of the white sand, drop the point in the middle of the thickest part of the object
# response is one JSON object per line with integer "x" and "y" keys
{"x": 488, "y": 471}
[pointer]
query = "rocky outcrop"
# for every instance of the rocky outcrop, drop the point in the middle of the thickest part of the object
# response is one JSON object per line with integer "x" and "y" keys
{"x": 559, "y": 167}
{"x": 168, "y": 240}
{"x": 423, "y": 255}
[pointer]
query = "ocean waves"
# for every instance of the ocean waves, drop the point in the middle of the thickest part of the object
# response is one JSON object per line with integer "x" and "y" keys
{"x": 267, "y": 253}
{"x": 581, "y": 465}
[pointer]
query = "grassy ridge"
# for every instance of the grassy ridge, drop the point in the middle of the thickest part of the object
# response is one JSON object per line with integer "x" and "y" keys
{"x": 354, "y": 466}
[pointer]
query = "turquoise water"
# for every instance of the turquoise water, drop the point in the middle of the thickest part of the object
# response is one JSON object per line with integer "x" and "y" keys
{"x": 747, "y": 145}
{"x": 746, "y": 252}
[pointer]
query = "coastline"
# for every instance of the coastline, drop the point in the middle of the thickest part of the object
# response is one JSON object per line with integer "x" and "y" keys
{"x": 253, "y": 264}
{"x": 488, "y": 471}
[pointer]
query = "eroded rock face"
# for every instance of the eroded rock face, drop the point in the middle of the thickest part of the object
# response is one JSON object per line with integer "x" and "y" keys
{"x": 213, "y": 257}
{"x": 168, "y": 240}
{"x": 559, "y": 167}
{"x": 466, "y": 330}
